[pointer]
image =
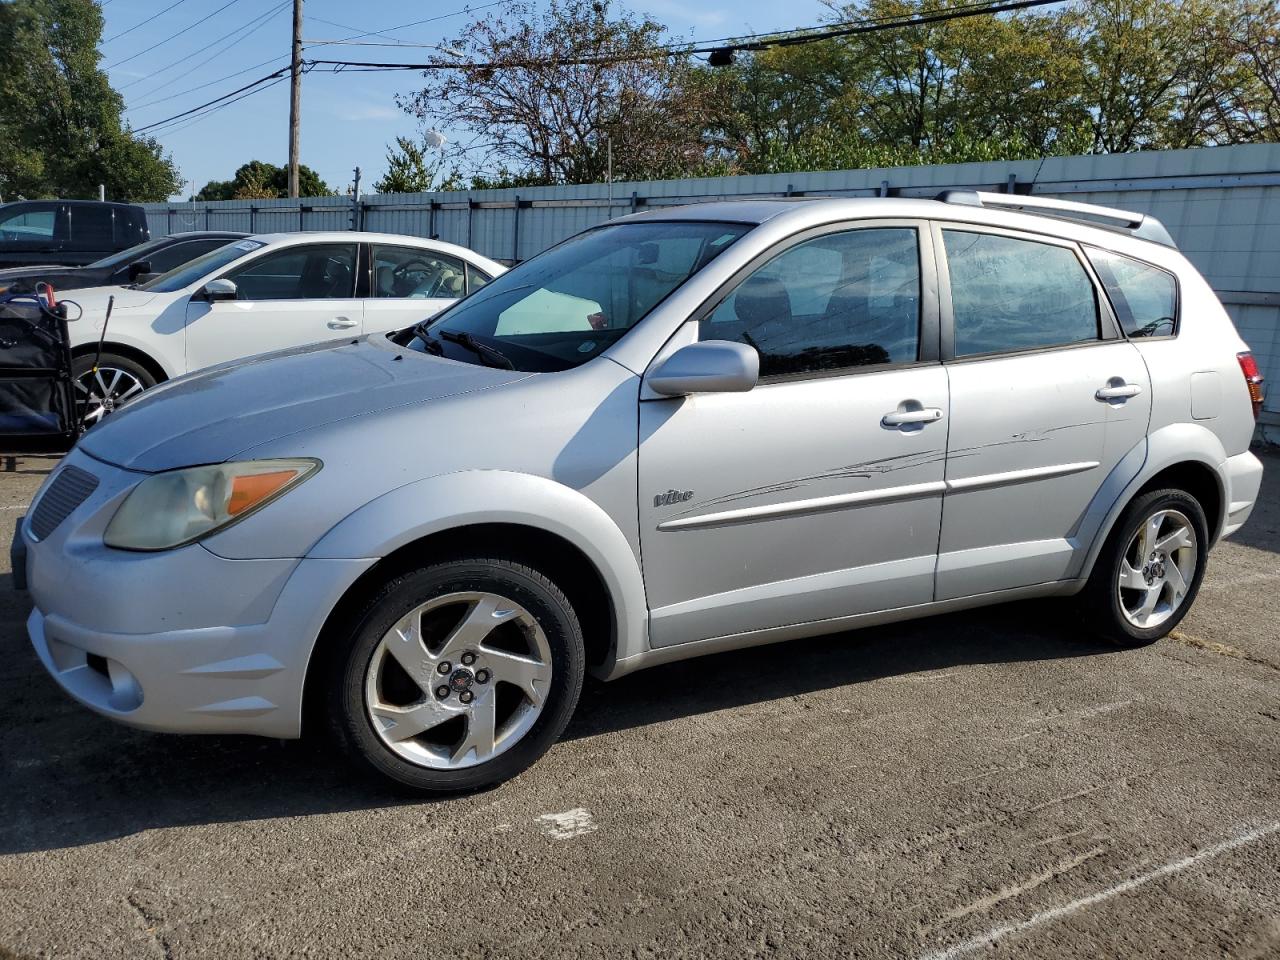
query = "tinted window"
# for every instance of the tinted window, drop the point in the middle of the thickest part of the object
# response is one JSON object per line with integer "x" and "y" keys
{"x": 475, "y": 279}
{"x": 416, "y": 273}
{"x": 566, "y": 305}
{"x": 318, "y": 272}
{"x": 176, "y": 254}
{"x": 1145, "y": 298}
{"x": 202, "y": 268}
{"x": 140, "y": 251}
{"x": 832, "y": 303}
{"x": 92, "y": 229}
{"x": 1011, "y": 294}
{"x": 27, "y": 225}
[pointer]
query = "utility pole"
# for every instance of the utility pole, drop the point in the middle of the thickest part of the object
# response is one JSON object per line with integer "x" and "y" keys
{"x": 295, "y": 98}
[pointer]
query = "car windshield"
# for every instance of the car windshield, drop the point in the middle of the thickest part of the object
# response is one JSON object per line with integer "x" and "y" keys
{"x": 136, "y": 252}
{"x": 565, "y": 306}
{"x": 200, "y": 267}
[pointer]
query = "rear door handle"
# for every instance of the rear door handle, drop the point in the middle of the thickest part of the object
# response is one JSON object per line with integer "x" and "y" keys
{"x": 903, "y": 418}
{"x": 341, "y": 323}
{"x": 1117, "y": 389}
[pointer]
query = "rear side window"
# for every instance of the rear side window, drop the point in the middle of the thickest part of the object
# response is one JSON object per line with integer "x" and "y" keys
{"x": 1145, "y": 298}
{"x": 1010, "y": 294}
{"x": 92, "y": 228}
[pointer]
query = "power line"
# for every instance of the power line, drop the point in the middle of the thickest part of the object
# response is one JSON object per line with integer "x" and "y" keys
{"x": 141, "y": 23}
{"x": 415, "y": 23}
{"x": 804, "y": 35}
{"x": 247, "y": 29}
{"x": 173, "y": 36}
{"x": 186, "y": 113}
{"x": 229, "y": 76}
{"x": 205, "y": 114}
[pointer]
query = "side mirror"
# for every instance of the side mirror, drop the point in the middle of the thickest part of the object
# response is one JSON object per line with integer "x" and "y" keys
{"x": 138, "y": 268}
{"x": 222, "y": 289}
{"x": 712, "y": 366}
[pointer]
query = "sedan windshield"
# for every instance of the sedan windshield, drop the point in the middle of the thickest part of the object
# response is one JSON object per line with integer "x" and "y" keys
{"x": 565, "y": 306}
{"x": 201, "y": 267}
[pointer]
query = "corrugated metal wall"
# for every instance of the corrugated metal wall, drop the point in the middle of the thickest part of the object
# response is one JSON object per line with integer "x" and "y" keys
{"x": 1222, "y": 206}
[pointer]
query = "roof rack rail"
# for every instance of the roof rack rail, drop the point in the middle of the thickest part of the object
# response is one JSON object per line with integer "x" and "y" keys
{"x": 1139, "y": 225}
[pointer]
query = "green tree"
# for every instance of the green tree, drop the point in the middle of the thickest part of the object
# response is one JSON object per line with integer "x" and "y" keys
{"x": 561, "y": 88}
{"x": 60, "y": 127}
{"x": 415, "y": 166}
{"x": 257, "y": 180}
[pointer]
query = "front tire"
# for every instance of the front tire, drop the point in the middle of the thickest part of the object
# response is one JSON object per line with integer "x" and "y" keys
{"x": 457, "y": 676}
{"x": 1149, "y": 571}
{"x": 116, "y": 381}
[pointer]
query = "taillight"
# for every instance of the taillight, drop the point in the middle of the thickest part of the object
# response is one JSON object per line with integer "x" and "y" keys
{"x": 1253, "y": 379}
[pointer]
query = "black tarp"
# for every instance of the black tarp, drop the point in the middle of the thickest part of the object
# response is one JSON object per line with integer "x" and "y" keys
{"x": 35, "y": 370}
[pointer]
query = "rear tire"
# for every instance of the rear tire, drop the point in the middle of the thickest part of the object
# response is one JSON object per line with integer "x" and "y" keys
{"x": 1149, "y": 571}
{"x": 457, "y": 676}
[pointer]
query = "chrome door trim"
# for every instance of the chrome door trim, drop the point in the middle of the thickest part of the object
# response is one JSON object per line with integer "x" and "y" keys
{"x": 1020, "y": 476}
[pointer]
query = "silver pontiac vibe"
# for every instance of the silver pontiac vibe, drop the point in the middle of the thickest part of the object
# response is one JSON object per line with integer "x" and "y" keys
{"x": 680, "y": 432}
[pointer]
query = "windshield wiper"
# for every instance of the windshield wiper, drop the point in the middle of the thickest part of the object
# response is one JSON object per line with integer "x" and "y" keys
{"x": 489, "y": 355}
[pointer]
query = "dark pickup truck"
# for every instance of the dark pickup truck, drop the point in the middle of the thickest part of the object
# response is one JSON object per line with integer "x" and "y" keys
{"x": 67, "y": 232}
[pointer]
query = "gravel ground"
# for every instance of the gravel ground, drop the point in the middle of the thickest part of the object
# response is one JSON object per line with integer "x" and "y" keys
{"x": 988, "y": 784}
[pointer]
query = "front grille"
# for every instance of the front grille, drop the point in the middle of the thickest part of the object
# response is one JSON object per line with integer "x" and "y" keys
{"x": 70, "y": 488}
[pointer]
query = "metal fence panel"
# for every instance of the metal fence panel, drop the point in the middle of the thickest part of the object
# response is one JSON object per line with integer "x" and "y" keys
{"x": 1222, "y": 206}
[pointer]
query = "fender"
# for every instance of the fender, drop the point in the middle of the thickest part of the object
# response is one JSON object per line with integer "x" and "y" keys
{"x": 452, "y": 500}
{"x": 124, "y": 339}
{"x": 1166, "y": 447}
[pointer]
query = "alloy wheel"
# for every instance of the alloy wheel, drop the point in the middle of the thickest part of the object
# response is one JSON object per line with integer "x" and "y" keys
{"x": 458, "y": 680}
{"x": 1157, "y": 569}
{"x": 101, "y": 391}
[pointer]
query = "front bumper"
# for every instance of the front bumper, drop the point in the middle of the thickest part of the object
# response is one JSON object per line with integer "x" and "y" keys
{"x": 182, "y": 641}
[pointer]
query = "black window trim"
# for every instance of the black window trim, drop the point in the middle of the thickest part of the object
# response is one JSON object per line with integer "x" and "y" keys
{"x": 927, "y": 348}
{"x": 1177, "y": 292}
{"x": 1108, "y": 327}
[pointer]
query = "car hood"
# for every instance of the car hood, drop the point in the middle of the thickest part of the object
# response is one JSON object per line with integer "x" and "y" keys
{"x": 211, "y": 416}
{"x": 93, "y": 300}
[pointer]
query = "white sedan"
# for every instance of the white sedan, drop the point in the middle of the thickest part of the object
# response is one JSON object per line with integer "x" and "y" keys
{"x": 263, "y": 293}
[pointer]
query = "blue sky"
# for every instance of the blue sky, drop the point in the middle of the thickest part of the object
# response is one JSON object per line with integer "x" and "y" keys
{"x": 348, "y": 118}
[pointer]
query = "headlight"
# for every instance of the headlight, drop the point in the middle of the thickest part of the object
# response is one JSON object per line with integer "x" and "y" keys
{"x": 181, "y": 506}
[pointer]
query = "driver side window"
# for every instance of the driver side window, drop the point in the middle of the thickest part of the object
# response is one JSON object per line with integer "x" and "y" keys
{"x": 313, "y": 272}
{"x": 835, "y": 302}
{"x": 414, "y": 273}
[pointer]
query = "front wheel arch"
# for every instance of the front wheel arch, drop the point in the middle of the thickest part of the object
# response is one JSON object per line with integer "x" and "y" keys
{"x": 555, "y": 557}
{"x": 140, "y": 357}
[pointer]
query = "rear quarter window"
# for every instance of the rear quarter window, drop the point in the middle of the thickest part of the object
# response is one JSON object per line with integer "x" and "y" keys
{"x": 1145, "y": 298}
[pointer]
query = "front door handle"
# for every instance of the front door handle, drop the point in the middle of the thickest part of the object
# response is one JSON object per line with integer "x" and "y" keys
{"x": 910, "y": 417}
{"x": 341, "y": 323}
{"x": 1117, "y": 389}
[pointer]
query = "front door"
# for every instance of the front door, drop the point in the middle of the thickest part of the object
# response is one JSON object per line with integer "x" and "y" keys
{"x": 1046, "y": 401}
{"x": 284, "y": 298}
{"x": 817, "y": 494}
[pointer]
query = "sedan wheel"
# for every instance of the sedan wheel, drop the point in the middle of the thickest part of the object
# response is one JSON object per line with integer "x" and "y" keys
{"x": 114, "y": 382}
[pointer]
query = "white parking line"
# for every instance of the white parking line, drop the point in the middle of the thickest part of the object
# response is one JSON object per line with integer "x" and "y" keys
{"x": 1240, "y": 838}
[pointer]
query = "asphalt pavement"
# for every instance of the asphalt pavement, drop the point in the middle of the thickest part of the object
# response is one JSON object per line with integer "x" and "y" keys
{"x": 992, "y": 784}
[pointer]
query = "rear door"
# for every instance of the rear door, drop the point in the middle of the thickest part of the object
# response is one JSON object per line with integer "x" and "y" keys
{"x": 285, "y": 298}
{"x": 817, "y": 494}
{"x": 409, "y": 284}
{"x": 1047, "y": 398}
